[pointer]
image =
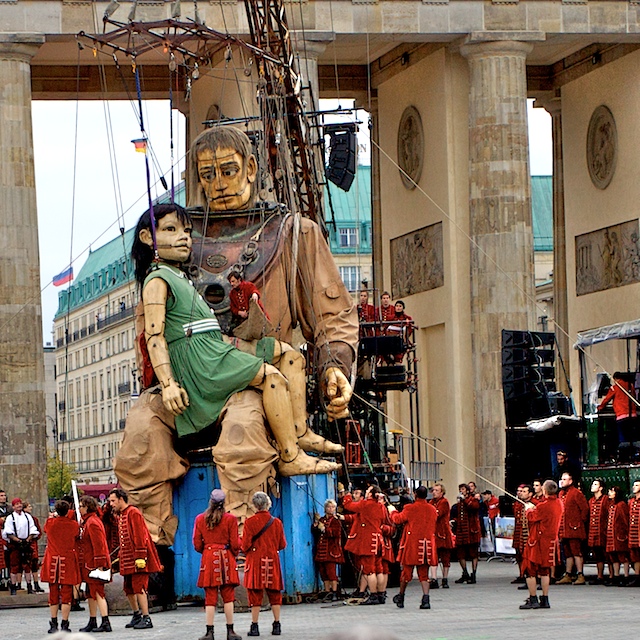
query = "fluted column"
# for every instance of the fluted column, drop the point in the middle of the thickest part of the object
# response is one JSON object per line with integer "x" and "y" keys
{"x": 502, "y": 274}
{"x": 22, "y": 405}
{"x": 376, "y": 201}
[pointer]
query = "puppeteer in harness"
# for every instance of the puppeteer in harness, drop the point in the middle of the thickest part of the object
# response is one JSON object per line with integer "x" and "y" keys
{"x": 288, "y": 259}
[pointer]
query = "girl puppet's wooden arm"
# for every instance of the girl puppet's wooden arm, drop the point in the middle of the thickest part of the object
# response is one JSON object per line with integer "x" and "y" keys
{"x": 154, "y": 299}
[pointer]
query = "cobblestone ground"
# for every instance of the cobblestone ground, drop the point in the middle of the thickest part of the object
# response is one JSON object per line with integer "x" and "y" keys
{"x": 483, "y": 611}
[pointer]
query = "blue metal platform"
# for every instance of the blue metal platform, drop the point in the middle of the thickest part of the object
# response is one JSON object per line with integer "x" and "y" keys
{"x": 300, "y": 498}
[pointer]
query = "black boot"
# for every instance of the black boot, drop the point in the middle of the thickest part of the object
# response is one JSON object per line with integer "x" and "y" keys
{"x": 91, "y": 625}
{"x": 382, "y": 597}
{"x": 544, "y": 602}
{"x": 472, "y": 578}
{"x": 445, "y": 583}
{"x": 144, "y": 623}
{"x": 425, "y": 604}
{"x": 105, "y": 626}
{"x": 254, "y": 631}
{"x": 64, "y": 626}
{"x": 13, "y": 589}
{"x": 399, "y": 600}
{"x": 231, "y": 634}
{"x": 463, "y": 578}
{"x": 137, "y": 616}
{"x": 372, "y": 599}
{"x": 29, "y": 588}
{"x": 433, "y": 584}
{"x": 37, "y": 588}
{"x": 53, "y": 625}
{"x": 531, "y": 603}
{"x": 276, "y": 629}
{"x": 208, "y": 633}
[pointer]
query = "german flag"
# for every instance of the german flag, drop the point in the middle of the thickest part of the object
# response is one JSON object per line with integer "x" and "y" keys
{"x": 140, "y": 145}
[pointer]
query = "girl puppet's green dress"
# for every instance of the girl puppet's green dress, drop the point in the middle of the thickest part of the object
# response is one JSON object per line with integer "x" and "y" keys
{"x": 209, "y": 370}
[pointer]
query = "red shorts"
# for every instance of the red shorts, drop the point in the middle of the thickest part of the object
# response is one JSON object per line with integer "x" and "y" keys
{"x": 94, "y": 588}
{"x": 60, "y": 593}
{"x": 328, "y": 571}
{"x": 407, "y": 572}
{"x": 617, "y": 556}
{"x": 20, "y": 559}
{"x": 136, "y": 583}
{"x": 572, "y": 547}
{"x": 467, "y": 551}
{"x": 227, "y": 591}
{"x": 534, "y": 570}
{"x": 386, "y": 567}
{"x": 634, "y": 554}
{"x": 368, "y": 564}
{"x": 444, "y": 557}
{"x": 255, "y": 597}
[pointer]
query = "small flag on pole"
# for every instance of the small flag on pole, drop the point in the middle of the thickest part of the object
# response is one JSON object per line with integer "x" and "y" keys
{"x": 140, "y": 144}
{"x": 63, "y": 278}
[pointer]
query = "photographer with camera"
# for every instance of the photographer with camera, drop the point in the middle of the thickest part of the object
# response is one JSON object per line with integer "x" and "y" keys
{"x": 19, "y": 530}
{"x": 467, "y": 528}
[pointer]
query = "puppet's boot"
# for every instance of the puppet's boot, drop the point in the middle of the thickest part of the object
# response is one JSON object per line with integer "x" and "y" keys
{"x": 292, "y": 366}
{"x": 277, "y": 407}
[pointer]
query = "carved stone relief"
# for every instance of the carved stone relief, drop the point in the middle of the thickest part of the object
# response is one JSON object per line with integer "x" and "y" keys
{"x": 416, "y": 261}
{"x": 602, "y": 147}
{"x": 410, "y": 147}
{"x": 608, "y": 258}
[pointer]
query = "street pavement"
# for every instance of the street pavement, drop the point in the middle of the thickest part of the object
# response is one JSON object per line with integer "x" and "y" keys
{"x": 483, "y": 611}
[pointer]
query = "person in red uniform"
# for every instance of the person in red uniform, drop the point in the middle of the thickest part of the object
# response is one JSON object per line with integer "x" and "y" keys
{"x": 541, "y": 550}
{"x": 35, "y": 553}
{"x": 93, "y": 554}
{"x": 538, "y": 496}
{"x": 19, "y": 530}
{"x": 262, "y": 538}
{"x": 388, "y": 531}
{"x": 137, "y": 555}
{"x": 573, "y": 529}
{"x": 597, "y": 538}
{"x": 240, "y": 297}
{"x": 417, "y": 546}
{"x": 366, "y": 314}
{"x": 467, "y": 533}
{"x": 365, "y": 539}
{"x": 622, "y": 394}
{"x": 60, "y": 566}
{"x": 215, "y": 536}
{"x": 634, "y": 533}
{"x": 444, "y": 539}
{"x": 329, "y": 555}
{"x": 618, "y": 535}
{"x": 521, "y": 528}
{"x": 386, "y": 311}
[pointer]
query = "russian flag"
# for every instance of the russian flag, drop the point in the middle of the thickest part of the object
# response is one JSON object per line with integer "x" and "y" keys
{"x": 63, "y": 278}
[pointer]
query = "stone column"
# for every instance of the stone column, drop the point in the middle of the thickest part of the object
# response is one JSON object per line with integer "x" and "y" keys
{"x": 376, "y": 204}
{"x": 502, "y": 273}
{"x": 560, "y": 303}
{"x": 23, "y": 463}
{"x": 308, "y": 48}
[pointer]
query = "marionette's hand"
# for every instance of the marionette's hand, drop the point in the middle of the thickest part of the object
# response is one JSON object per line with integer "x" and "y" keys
{"x": 141, "y": 563}
{"x": 339, "y": 393}
{"x": 175, "y": 398}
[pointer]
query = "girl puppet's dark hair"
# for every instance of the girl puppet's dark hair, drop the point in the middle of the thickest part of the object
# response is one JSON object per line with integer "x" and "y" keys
{"x": 142, "y": 254}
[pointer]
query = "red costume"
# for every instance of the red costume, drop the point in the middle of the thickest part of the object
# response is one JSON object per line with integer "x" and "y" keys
{"x": 444, "y": 538}
{"x": 3, "y": 548}
{"x": 329, "y": 548}
{"x": 365, "y": 538}
{"x": 623, "y": 405}
{"x": 541, "y": 550}
{"x": 634, "y": 529}
{"x": 598, "y": 511}
{"x": 262, "y": 568}
{"x": 575, "y": 515}
{"x": 93, "y": 552}
{"x": 110, "y": 522}
{"x": 219, "y": 547}
{"x": 521, "y": 529}
{"x": 60, "y": 565}
{"x": 618, "y": 529}
{"x": 240, "y": 297}
{"x": 367, "y": 313}
{"x": 418, "y": 542}
{"x": 468, "y": 522}
{"x": 388, "y": 530}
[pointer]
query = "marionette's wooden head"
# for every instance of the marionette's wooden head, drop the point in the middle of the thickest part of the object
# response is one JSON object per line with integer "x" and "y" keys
{"x": 226, "y": 169}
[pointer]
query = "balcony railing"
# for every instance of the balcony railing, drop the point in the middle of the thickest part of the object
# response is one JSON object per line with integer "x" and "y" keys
{"x": 124, "y": 388}
{"x": 114, "y": 318}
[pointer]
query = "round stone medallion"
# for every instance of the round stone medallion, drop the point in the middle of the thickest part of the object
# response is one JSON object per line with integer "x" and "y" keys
{"x": 410, "y": 147}
{"x": 602, "y": 147}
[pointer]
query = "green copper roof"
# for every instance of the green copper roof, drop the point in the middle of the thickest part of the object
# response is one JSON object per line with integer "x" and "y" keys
{"x": 542, "y": 212}
{"x": 353, "y": 205}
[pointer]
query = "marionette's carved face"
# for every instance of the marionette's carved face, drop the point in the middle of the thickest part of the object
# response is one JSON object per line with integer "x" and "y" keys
{"x": 173, "y": 238}
{"x": 226, "y": 178}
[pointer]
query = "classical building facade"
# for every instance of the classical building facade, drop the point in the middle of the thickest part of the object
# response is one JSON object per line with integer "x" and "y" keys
{"x": 446, "y": 82}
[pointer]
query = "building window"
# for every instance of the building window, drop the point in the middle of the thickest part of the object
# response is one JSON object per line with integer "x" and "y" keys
{"x": 348, "y": 237}
{"x": 351, "y": 277}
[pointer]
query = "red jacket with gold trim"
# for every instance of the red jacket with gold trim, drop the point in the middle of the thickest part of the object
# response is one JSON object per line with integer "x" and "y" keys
{"x": 634, "y": 523}
{"x": 93, "y": 550}
{"x": 418, "y": 542}
{"x": 60, "y": 563}
{"x": 262, "y": 568}
{"x": 575, "y": 514}
{"x": 135, "y": 543}
{"x": 521, "y": 529}
{"x": 618, "y": 527}
{"x": 329, "y": 544}
{"x": 219, "y": 547}
{"x": 598, "y": 512}
{"x": 444, "y": 539}
{"x": 544, "y": 524}
{"x": 365, "y": 537}
{"x": 468, "y": 521}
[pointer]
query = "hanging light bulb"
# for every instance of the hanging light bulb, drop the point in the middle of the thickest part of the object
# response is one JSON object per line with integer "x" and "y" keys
{"x": 172, "y": 63}
{"x": 196, "y": 72}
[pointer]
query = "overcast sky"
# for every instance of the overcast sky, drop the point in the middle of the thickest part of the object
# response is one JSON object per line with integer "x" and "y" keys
{"x": 78, "y": 209}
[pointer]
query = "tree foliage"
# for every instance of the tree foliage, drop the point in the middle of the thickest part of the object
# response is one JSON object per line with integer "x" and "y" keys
{"x": 59, "y": 477}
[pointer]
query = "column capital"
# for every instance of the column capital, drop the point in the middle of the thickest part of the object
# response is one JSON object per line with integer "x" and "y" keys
{"x": 20, "y": 45}
{"x": 550, "y": 102}
{"x": 489, "y": 48}
{"x": 312, "y": 44}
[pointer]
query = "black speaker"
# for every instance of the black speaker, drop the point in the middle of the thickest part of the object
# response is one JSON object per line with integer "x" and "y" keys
{"x": 341, "y": 168}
